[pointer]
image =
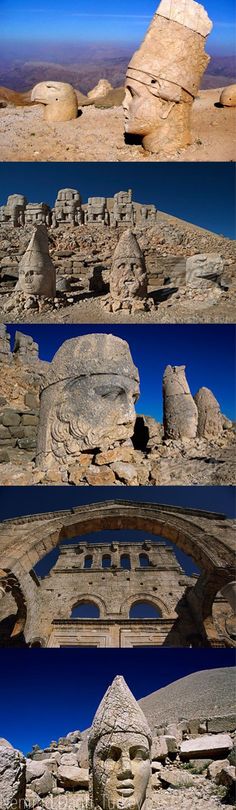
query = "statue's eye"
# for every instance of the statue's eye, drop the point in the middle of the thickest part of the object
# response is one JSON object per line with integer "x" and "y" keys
{"x": 139, "y": 753}
{"x": 113, "y": 754}
{"x": 110, "y": 394}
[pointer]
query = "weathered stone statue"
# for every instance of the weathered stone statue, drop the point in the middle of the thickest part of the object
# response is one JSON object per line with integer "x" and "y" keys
{"x": 164, "y": 75}
{"x": 203, "y": 269}
{"x": 37, "y": 274}
{"x": 119, "y": 752}
{"x": 59, "y": 98}
{"x": 128, "y": 277}
{"x": 88, "y": 399}
{"x": 210, "y": 419}
{"x": 180, "y": 411}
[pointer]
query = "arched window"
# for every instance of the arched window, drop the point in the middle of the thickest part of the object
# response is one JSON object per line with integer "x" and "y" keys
{"x": 85, "y": 610}
{"x": 106, "y": 561}
{"x": 144, "y": 560}
{"x": 144, "y": 610}
{"x": 125, "y": 561}
{"x": 88, "y": 561}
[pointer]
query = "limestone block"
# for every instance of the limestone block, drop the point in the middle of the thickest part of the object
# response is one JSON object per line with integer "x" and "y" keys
{"x": 59, "y": 98}
{"x": 180, "y": 410}
{"x": 207, "y": 746}
{"x": 70, "y": 776}
{"x": 12, "y": 777}
{"x": 221, "y": 724}
{"x": 175, "y": 778}
{"x": 203, "y": 269}
{"x": 216, "y": 767}
{"x": 210, "y": 425}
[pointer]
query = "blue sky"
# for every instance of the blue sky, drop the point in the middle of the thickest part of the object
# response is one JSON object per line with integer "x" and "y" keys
{"x": 208, "y": 351}
{"x": 90, "y": 20}
{"x": 45, "y": 694}
{"x": 202, "y": 193}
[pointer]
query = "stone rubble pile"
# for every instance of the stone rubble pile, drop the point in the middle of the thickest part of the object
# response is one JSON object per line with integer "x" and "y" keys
{"x": 185, "y": 755}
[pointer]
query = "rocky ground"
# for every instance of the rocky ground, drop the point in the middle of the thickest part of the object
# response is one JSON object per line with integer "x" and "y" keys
{"x": 78, "y": 253}
{"x": 25, "y": 136}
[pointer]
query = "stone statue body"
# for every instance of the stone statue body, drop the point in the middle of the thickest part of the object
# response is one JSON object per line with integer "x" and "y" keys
{"x": 88, "y": 399}
{"x": 119, "y": 752}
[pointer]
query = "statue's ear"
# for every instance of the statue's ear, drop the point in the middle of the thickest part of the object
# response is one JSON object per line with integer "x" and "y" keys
{"x": 167, "y": 110}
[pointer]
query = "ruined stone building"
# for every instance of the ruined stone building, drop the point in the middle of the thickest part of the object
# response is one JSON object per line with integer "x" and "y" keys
{"x": 69, "y": 209}
{"x": 94, "y": 590}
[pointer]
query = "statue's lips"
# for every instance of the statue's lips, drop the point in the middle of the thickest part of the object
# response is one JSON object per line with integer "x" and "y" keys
{"x": 126, "y": 789}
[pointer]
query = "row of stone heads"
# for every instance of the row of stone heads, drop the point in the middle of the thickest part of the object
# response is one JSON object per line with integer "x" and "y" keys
{"x": 69, "y": 209}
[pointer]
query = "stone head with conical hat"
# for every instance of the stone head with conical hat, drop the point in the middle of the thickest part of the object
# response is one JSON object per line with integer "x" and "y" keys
{"x": 164, "y": 75}
{"x": 87, "y": 401}
{"x": 128, "y": 277}
{"x": 37, "y": 274}
{"x": 119, "y": 752}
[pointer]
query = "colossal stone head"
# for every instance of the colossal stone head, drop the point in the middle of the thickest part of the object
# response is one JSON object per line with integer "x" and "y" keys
{"x": 37, "y": 274}
{"x": 59, "y": 98}
{"x": 87, "y": 402}
{"x": 128, "y": 277}
{"x": 119, "y": 752}
{"x": 164, "y": 76}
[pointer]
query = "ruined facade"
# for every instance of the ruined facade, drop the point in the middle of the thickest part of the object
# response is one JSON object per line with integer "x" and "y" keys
{"x": 190, "y": 611}
{"x": 69, "y": 209}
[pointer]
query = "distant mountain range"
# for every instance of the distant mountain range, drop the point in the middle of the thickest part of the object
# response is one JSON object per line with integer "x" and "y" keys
{"x": 94, "y": 64}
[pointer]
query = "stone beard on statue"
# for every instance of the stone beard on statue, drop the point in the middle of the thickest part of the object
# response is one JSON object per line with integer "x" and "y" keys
{"x": 88, "y": 399}
{"x": 119, "y": 752}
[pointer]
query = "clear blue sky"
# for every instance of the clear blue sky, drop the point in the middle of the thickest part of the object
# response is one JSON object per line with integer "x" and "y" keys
{"x": 208, "y": 351}
{"x": 90, "y": 20}
{"x": 44, "y": 694}
{"x": 202, "y": 193}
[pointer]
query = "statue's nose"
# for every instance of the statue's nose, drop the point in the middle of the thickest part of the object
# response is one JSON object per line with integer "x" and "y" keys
{"x": 125, "y": 770}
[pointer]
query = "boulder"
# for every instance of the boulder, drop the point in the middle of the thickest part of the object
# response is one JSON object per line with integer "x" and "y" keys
{"x": 12, "y": 777}
{"x": 70, "y": 776}
{"x": 206, "y": 746}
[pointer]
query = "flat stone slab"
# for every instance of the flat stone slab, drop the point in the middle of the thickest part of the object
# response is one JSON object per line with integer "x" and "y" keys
{"x": 206, "y": 745}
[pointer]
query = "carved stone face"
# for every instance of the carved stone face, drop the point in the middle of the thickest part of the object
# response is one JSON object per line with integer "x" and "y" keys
{"x": 94, "y": 411}
{"x": 121, "y": 771}
{"x": 142, "y": 110}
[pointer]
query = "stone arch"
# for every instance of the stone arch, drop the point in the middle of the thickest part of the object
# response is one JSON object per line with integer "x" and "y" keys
{"x": 85, "y": 603}
{"x": 146, "y": 602}
{"x": 145, "y": 597}
{"x": 93, "y": 600}
{"x": 207, "y": 538}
